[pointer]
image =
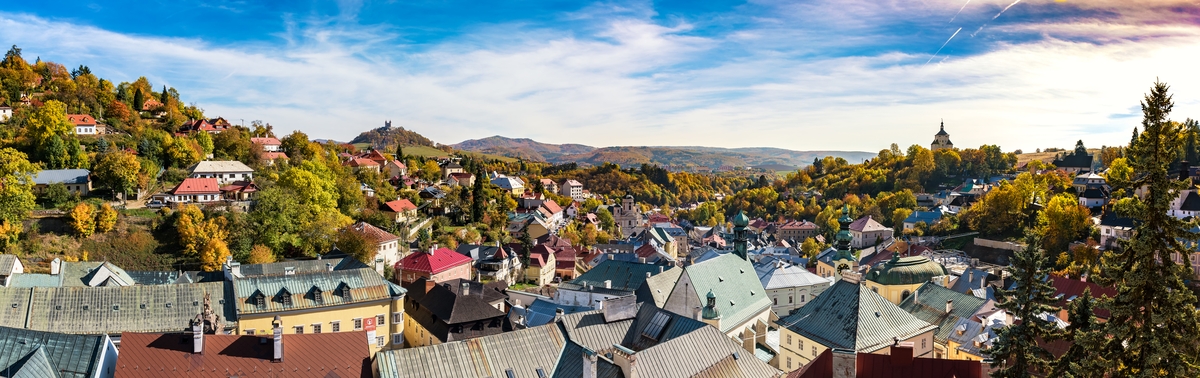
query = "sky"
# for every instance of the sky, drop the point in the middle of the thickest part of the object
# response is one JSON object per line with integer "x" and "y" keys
{"x": 802, "y": 75}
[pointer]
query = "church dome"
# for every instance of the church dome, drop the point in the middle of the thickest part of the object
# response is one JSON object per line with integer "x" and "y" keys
{"x": 906, "y": 271}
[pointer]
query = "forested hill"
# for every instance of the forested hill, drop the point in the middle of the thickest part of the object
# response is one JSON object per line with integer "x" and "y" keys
{"x": 690, "y": 156}
{"x": 388, "y": 136}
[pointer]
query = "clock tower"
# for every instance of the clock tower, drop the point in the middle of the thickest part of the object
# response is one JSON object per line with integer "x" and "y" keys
{"x": 844, "y": 261}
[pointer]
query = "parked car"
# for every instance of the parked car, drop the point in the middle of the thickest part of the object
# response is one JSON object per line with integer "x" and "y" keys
{"x": 154, "y": 204}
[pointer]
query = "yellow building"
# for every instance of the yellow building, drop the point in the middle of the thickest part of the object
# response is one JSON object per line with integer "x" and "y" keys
{"x": 848, "y": 316}
{"x": 323, "y": 301}
{"x": 833, "y": 263}
{"x": 898, "y": 278}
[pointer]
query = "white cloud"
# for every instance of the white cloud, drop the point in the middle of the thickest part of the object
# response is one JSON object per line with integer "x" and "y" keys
{"x": 640, "y": 83}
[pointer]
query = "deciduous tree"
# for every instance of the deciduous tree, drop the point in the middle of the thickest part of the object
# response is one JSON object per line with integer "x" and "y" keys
{"x": 83, "y": 219}
{"x": 118, "y": 170}
{"x": 106, "y": 218}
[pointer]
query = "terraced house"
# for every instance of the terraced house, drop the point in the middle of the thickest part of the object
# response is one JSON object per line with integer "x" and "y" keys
{"x": 313, "y": 300}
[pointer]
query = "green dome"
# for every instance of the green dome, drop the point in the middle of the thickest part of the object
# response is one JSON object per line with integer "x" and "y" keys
{"x": 906, "y": 271}
{"x": 740, "y": 220}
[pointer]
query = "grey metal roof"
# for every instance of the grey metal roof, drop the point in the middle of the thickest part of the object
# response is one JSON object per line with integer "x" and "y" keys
{"x": 522, "y": 351}
{"x": 774, "y": 277}
{"x": 624, "y": 276}
{"x": 570, "y": 364}
{"x": 591, "y": 331}
{"x": 541, "y": 312}
{"x": 111, "y": 310}
{"x": 84, "y": 273}
{"x": 929, "y": 305}
{"x": 658, "y": 287}
{"x": 61, "y": 355}
{"x": 35, "y": 280}
{"x": 703, "y": 352}
{"x": 850, "y": 316}
{"x": 733, "y": 280}
{"x": 301, "y": 266}
{"x": 65, "y": 176}
{"x": 6, "y": 263}
{"x": 365, "y": 285}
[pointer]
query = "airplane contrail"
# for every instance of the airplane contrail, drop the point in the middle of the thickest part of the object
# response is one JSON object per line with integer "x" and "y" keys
{"x": 1005, "y": 10}
{"x": 943, "y": 46}
{"x": 959, "y": 11}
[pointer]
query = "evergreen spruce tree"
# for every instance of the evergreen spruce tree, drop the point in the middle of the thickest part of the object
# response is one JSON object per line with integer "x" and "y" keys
{"x": 399, "y": 152}
{"x": 165, "y": 96}
{"x": 1154, "y": 324}
{"x": 139, "y": 99}
{"x": 1082, "y": 359}
{"x": 1016, "y": 352}
{"x": 478, "y": 198}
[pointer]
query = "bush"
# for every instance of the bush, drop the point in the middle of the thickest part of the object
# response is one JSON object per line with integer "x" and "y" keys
{"x": 83, "y": 219}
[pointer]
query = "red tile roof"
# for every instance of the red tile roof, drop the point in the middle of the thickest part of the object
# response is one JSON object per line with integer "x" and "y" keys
{"x": 866, "y": 224}
{"x": 798, "y": 225}
{"x": 273, "y": 155}
{"x": 374, "y": 233}
{"x": 150, "y": 104}
{"x": 552, "y": 207}
{"x": 399, "y": 206}
{"x": 377, "y": 157}
{"x": 441, "y": 260}
{"x": 646, "y": 250}
{"x": 81, "y": 119}
{"x": 197, "y": 186}
{"x": 564, "y": 259}
{"x": 240, "y": 186}
{"x": 266, "y": 141}
{"x": 1069, "y": 288}
{"x": 340, "y": 354}
{"x": 540, "y": 255}
{"x": 360, "y": 162}
{"x": 869, "y": 365}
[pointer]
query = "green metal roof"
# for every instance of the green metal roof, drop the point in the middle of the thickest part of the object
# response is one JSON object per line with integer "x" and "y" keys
{"x": 658, "y": 287}
{"x": 850, "y": 316}
{"x": 735, "y": 284}
{"x": 906, "y": 271}
{"x": 301, "y": 266}
{"x": 35, "y": 280}
{"x": 84, "y": 273}
{"x": 46, "y": 354}
{"x": 929, "y": 304}
{"x": 365, "y": 285}
{"x": 111, "y": 310}
{"x": 624, "y": 275}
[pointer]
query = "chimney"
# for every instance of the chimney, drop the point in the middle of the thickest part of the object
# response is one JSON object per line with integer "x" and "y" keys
{"x": 661, "y": 268}
{"x": 949, "y": 306}
{"x": 608, "y": 284}
{"x": 56, "y": 266}
{"x": 915, "y": 292}
{"x": 466, "y": 289}
{"x": 328, "y": 267}
{"x": 642, "y": 260}
{"x": 970, "y": 276}
{"x": 844, "y": 363}
{"x": 647, "y": 274}
{"x": 198, "y": 336}
{"x": 902, "y": 354}
{"x": 589, "y": 363}
{"x": 1083, "y": 277}
{"x": 696, "y": 313}
{"x": 432, "y": 248}
{"x": 558, "y": 314}
{"x": 748, "y": 340}
{"x": 278, "y": 349}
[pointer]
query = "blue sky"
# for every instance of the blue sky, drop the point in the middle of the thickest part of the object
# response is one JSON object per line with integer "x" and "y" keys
{"x": 805, "y": 75}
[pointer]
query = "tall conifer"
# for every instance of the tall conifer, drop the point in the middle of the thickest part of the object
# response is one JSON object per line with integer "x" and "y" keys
{"x": 1154, "y": 324}
{"x": 1016, "y": 352}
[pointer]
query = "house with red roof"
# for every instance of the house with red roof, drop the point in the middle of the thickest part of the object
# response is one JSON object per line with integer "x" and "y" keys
{"x": 195, "y": 190}
{"x": 375, "y": 156}
{"x": 268, "y": 144}
{"x": 396, "y": 168}
{"x": 359, "y": 163}
{"x": 460, "y": 179}
{"x": 196, "y": 354}
{"x": 402, "y": 210}
{"x": 435, "y": 265}
{"x": 239, "y": 191}
{"x": 387, "y": 245}
{"x": 1067, "y": 289}
{"x": 270, "y": 157}
{"x": 897, "y": 361}
{"x": 542, "y": 265}
{"x": 150, "y": 104}
{"x": 211, "y": 126}
{"x": 85, "y": 124}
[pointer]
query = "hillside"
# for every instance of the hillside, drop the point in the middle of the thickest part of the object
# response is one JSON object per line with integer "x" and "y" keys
{"x": 776, "y": 159}
{"x": 387, "y": 137}
{"x": 522, "y": 148}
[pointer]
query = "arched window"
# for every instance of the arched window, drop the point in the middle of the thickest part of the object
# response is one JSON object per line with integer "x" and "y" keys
{"x": 904, "y": 295}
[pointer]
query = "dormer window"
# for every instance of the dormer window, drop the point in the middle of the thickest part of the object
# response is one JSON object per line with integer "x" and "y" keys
{"x": 285, "y": 297}
{"x": 260, "y": 300}
{"x": 317, "y": 297}
{"x": 344, "y": 292}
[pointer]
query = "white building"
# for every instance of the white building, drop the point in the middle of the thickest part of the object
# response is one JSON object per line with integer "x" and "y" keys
{"x": 5, "y": 113}
{"x": 224, "y": 171}
{"x": 573, "y": 189}
{"x": 268, "y": 144}
{"x": 387, "y": 245}
{"x": 789, "y": 287}
{"x": 84, "y": 124}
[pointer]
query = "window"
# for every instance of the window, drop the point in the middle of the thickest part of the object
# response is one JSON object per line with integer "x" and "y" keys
{"x": 775, "y": 301}
{"x": 260, "y": 301}
{"x": 814, "y": 351}
{"x": 803, "y": 298}
{"x": 379, "y": 320}
{"x": 923, "y": 343}
{"x": 397, "y": 339}
{"x": 379, "y": 341}
{"x": 789, "y": 360}
{"x": 317, "y": 328}
{"x": 299, "y": 329}
{"x": 789, "y": 340}
{"x": 801, "y": 343}
{"x": 286, "y": 298}
{"x": 397, "y": 317}
{"x": 317, "y": 297}
{"x": 357, "y": 324}
{"x": 336, "y": 326}
{"x": 656, "y": 325}
{"x": 249, "y": 331}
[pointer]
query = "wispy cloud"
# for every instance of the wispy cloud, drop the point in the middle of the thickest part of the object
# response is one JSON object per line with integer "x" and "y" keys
{"x": 632, "y": 76}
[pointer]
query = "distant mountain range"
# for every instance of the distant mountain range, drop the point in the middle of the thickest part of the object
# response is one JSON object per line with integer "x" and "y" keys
{"x": 775, "y": 159}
